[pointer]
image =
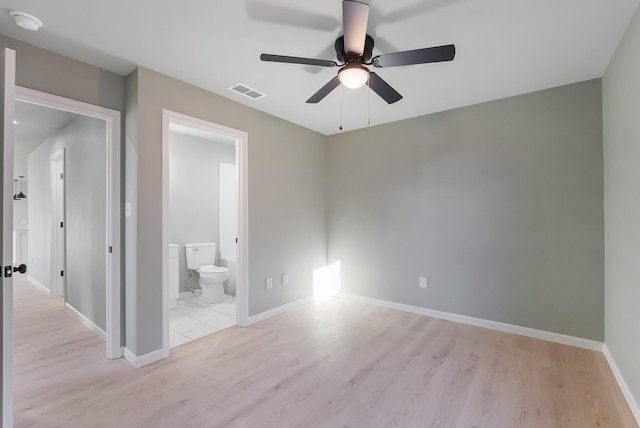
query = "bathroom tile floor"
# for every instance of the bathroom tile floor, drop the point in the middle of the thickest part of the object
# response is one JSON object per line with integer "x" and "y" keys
{"x": 192, "y": 319}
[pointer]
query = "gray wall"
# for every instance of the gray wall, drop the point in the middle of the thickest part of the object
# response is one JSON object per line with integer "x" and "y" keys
{"x": 621, "y": 101}
{"x": 194, "y": 208}
{"x": 286, "y": 200}
{"x": 498, "y": 204}
{"x": 84, "y": 141}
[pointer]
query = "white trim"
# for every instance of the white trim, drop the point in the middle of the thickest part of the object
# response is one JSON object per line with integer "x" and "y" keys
{"x": 7, "y": 90}
{"x": 38, "y": 285}
{"x": 633, "y": 405}
{"x": 146, "y": 359}
{"x": 112, "y": 195}
{"x": 86, "y": 322}
{"x": 479, "y": 322}
{"x": 241, "y": 139}
{"x": 279, "y": 310}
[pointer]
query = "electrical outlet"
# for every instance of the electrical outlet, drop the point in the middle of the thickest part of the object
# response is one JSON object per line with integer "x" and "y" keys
{"x": 269, "y": 283}
{"x": 423, "y": 282}
{"x": 285, "y": 278}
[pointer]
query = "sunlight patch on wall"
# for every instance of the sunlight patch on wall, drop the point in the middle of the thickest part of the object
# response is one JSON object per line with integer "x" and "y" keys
{"x": 326, "y": 281}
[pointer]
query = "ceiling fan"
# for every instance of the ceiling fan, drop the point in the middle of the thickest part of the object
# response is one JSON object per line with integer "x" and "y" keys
{"x": 354, "y": 51}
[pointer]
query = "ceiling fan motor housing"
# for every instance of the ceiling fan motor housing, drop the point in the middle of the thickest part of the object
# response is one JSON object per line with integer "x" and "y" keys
{"x": 348, "y": 57}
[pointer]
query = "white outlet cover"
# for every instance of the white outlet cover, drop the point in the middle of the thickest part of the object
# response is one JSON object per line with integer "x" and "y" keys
{"x": 285, "y": 278}
{"x": 269, "y": 283}
{"x": 423, "y": 282}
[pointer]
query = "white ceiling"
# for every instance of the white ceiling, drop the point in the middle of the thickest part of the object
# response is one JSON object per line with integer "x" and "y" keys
{"x": 504, "y": 48}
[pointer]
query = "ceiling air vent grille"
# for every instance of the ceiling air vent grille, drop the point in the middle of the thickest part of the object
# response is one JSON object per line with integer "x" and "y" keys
{"x": 246, "y": 91}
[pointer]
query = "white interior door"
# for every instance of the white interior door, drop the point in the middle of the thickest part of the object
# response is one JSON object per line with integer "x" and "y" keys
{"x": 7, "y": 95}
{"x": 58, "y": 249}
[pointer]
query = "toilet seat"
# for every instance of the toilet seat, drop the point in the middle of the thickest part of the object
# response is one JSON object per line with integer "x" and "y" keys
{"x": 213, "y": 269}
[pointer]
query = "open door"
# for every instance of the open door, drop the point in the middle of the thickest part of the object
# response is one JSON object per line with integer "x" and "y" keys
{"x": 7, "y": 95}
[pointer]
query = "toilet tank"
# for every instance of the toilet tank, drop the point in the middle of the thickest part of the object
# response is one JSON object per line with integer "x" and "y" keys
{"x": 200, "y": 254}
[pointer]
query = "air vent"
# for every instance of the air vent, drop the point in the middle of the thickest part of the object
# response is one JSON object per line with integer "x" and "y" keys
{"x": 246, "y": 91}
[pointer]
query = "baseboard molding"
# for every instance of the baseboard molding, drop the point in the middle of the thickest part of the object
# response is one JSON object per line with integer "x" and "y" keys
{"x": 87, "y": 322}
{"x": 479, "y": 322}
{"x": 146, "y": 359}
{"x": 36, "y": 284}
{"x": 633, "y": 405}
{"x": 279, "y": 310}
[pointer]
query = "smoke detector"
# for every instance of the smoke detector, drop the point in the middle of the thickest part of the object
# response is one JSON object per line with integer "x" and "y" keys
{"x": 26, "y": 21}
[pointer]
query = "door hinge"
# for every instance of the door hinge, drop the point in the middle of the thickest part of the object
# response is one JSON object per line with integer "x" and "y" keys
{"x": 61, "y": 176}
{"x": 236, "y": 240}
{"x": 110, "y": 249}
{"x": 61, "y": 273}
{"x": 61, "y": 224}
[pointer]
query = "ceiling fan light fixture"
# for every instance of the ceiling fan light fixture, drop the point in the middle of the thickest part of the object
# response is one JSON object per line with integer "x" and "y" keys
{"x": 25, "y": 20}
{"x": 353, "y": 75}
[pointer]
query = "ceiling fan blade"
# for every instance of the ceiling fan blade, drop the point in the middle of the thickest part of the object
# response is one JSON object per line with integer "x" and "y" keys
{"x": 297, "y": 60}
{"x": 324, "y": 91}
{"x": 417, "y": 56}
{"x": 382, "y": 88}
{"x": 355, "y": 16}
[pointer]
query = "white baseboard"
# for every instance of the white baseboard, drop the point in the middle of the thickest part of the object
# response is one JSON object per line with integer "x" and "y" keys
{"x": 279, "y": 310}
{"x": 146, "y": 359}
{"x": 87, "y": 322}
{"x": 623, "y": 385}
{"x": 479, "y": 322}
{"x": 36, "y": 284}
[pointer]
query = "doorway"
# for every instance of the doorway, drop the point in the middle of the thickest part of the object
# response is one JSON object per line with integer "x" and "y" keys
{"x": 58, "y": 250}
{"x": 49, "y": 234}
{"x": 237, "y": 253}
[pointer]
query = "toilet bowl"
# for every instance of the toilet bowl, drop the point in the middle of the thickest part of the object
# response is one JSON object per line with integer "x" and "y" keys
{"x": 211, "y": 282}
{"x": 201, "y": 258}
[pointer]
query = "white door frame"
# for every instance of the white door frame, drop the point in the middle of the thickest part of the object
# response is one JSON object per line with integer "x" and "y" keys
{"x": 242, "y": 251}
{"x": 7, "y": 91}
{"x": 57, "y": 242}
{"x": 112, "y": 196}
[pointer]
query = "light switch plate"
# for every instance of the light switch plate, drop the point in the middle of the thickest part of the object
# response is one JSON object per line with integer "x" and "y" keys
{"x": 423, "y": 282}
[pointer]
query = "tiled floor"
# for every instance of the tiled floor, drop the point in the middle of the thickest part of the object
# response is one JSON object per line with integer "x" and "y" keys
{"x": 192, "y": 319}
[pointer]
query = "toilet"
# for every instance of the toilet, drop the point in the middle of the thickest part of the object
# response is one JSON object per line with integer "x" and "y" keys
{"x": 200, "y": 258}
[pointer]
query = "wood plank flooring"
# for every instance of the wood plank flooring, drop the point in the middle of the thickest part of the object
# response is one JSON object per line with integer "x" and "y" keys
{"x": 330, "y": 364}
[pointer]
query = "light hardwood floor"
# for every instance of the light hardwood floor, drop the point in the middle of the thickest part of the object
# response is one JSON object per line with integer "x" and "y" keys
{"x": 331, "y": 364}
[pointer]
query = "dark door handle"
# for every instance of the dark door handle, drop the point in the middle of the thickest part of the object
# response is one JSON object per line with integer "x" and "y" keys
{"x": 22, "y": 268}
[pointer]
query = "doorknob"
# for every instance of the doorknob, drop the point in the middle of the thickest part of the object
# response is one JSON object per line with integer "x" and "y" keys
{"x": 8, "y": 270}
{"x": 21, "y": 269}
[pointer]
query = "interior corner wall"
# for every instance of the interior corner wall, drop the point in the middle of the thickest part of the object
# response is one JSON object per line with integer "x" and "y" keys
{"x": 499, "y": 204}
{"x": 287, "y": 223}
{"x": 621, "y": 110}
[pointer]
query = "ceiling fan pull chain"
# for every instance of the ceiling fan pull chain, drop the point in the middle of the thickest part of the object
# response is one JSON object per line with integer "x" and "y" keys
{"x": 341, "y": 107}
{"x": 369, "y": 100}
